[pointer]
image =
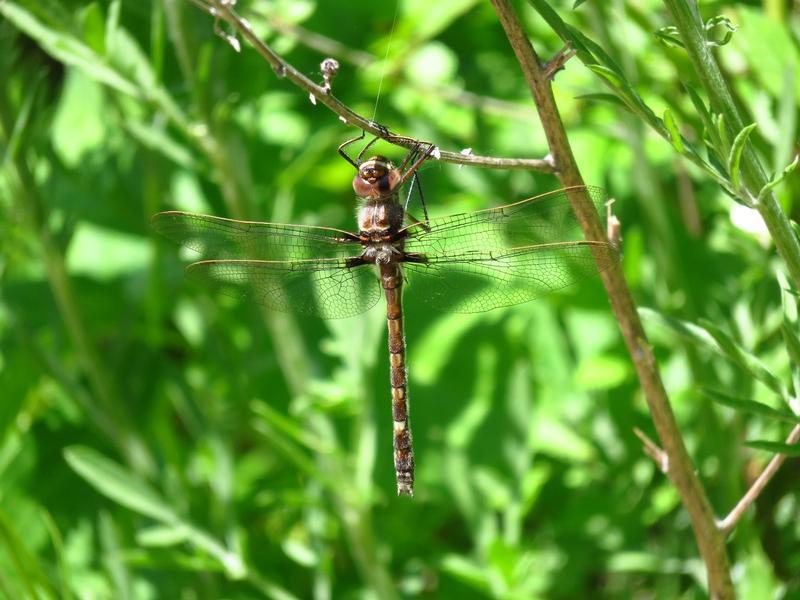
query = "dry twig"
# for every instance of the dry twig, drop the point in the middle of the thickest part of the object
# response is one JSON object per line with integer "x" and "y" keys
{"x": 729, "y": 522}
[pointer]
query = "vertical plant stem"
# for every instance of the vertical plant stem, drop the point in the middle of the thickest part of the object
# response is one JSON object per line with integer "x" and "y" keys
{"x": 710, "y": 539}
{"x": 687, "y": 19}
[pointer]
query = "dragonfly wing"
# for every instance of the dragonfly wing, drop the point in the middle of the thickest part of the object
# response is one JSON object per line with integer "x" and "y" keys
{"x": 219, "y": 238}
{"x": 544, "y": 219}
{"x": 327, "y": 288}
{"x": 482, "y": 280}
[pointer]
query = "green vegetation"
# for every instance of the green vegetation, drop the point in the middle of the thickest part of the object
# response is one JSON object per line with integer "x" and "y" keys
{"x": 158, "y": 440}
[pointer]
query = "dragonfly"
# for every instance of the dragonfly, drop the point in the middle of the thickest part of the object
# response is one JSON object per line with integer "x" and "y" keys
{"x": 465, "y": 263}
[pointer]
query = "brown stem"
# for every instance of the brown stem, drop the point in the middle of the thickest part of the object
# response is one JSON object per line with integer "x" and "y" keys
{"x": 710, "y": 539}
{"x": 653, "y": 451}
{"x": 223, "y": 10}
{"x": 728, "y": 523}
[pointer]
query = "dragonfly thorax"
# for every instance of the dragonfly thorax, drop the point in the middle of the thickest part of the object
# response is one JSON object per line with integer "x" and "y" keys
{"x": 376, "y": 178}
{"x": 379, "y": 219}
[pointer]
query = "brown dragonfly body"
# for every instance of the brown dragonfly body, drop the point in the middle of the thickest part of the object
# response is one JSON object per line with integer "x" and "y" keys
{"x": 469, "y": 262}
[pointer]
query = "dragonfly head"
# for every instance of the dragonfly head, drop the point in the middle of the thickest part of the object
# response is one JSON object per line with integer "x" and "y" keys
{"x": 376, "y": 177}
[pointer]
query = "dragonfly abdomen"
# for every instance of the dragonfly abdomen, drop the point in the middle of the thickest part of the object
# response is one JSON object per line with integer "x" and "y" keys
{"x": 392, "y": 283}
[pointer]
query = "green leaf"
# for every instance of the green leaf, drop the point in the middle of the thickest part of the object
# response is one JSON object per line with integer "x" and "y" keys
{"x": 775, "y": 447}
{"x": 112, "y": 25}
{"x": 689, "y": 331}
{"x": 727, "y": 25}
{"x": 116, "y": 482}
{"x": 555, "y": 22}
{"x": 600, "y": 97}
{"x": 670, "y": 37}
{"x": 735, "y": 156}
{"x": 713, "y": 338}
{"x": 748, "y": 361}
{"x": 611, "y": 76}
{"x": 674, "y": 134}
{"x": 723, "y": 141}
{"x": 67, "y": 49}
{"x": 602, "y": 372}
{"x": 775, "y": 181}
{"x": 21, "y": 561}
{"x": 577, "y": 3}
{"x": 792, "y": 341}
{"x": 699, "y": 105}
{"x": 750, "y": 406}
{"x": 158, "y": 140}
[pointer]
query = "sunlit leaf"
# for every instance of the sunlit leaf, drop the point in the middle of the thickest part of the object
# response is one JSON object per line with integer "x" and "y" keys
{"x": 750, "y": 406}
{"x": 735, "y": 156}
{"x": 674, "y": 132}
{"x": 774, "y": 447}
{"x": 775, "y": 181}
{"x": 118, "y": 483}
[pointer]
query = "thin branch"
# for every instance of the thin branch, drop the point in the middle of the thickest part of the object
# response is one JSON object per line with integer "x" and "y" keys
{"x": 653, "y": 451}
{"x": 223, "y": 9}
{"x": 556, "y": 64}
{"x": 728, "y": 523}
{"x": 710, "y": 540}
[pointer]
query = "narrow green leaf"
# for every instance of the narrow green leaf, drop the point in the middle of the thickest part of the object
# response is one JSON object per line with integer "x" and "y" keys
{"x": 600, "y": 97}
{"x": 689, "y": 331}
{"x": 21, "y": 561}
{"x": 577, "y": 4}
{"x": 608, "y": 74}
{"x": 792, "y": 342}
{"x": 724, "y": 141}
{"x": 775, "y": 181}
{"x": 750, "y": 406}
{"x": 553, "y": 20}
{"x": 672, "y": 128}
{"x": 699, "y": 105}
{"x": 594, "y": 49}
{"x": 112, "y": 25}
{"x": 670, "y": 37}
{"x": 745, "y": 359}
{"x": 67, "y": 49}
{"x": 735, "y": 156}
{"x": 711, "y": 337}
{"x": 775, "y": 447}
{"x": 116, "y": 482}
{"x": 158, "y": 140}
{"x": 113, "y": 557}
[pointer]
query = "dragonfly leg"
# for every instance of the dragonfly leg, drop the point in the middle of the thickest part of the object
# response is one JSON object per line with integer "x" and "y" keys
{"x": 417, "y": 180}
{"x": 365, "y": 148}
{"x": 423, "y": 224}
{"x": 417, "y": 163}
{"x": 343, "y": 145}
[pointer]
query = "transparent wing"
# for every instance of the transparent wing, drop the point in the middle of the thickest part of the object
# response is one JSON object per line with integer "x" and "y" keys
{"x": 544, "y": 219}
{"x": 219, "y": 238}
{"x": 327, "y": 288}
{"x": 476, "y": 281}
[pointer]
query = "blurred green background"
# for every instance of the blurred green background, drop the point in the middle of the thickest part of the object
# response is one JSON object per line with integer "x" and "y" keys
{"x": 160, "y": 441}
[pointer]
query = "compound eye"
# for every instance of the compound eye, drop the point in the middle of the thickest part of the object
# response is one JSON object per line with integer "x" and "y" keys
{"x": 372, "y": 172}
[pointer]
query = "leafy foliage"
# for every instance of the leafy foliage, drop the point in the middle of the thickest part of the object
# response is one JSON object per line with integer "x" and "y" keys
{"x": 159, "y": 440}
